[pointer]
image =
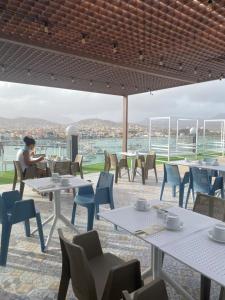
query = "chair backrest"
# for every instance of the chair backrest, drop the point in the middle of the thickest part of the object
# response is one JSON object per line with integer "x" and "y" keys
{"x": 18, "y": 170}
{"x": 62, "y": 167}
{"x": 172, "y": 174}
{"x": 200, "y": 180}
{"x": 113, "y": 161}
{"x": 81, "y": 276}
{"x": 140, "y": 161}
{"x": 105, "y": 180}
{"x": 210, "y": 206}
{"x": 107, "y": 161}
{"x": 79, "y": 159}
{"x": 86, "y": 190}
{"x": 150, "y": 161}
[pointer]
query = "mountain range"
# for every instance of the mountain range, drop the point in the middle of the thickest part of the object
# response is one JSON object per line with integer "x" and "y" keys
{"x": 24, "y": 123}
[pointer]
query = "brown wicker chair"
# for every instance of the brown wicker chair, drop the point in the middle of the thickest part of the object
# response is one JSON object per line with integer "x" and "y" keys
{"x": 76, "y": 166}
{"x": 145, "y": 164}
{"x": 118, "y": 165}
{"x": 19, "y": 176}
{"x": 155, "y": 290}
{"x": 95, "y": 275}
{"x": 213, "y": 207}
{"x": 61, "y": 167}
{"x": 107, "y": 161}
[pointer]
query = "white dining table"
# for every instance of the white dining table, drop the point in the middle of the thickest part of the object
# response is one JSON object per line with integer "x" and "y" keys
{"x": 166, "y": 241}
{"x": 191, "y": 164}
{"x": 132, "y": 155}
{"x": 46, "y": 185}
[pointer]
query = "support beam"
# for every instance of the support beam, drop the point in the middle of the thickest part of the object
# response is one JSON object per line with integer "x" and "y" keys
{"x": 125, "y": 123}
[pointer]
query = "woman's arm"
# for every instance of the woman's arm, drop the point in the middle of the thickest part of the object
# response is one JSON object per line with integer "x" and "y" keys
{"x": 29, "y": 161}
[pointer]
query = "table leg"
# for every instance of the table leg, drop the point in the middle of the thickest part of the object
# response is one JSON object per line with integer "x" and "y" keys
{"x": 51, "y": 232}
{"x": 45, "y": 222}
{"x": 67, "y": 222}
{"x": 132, "y": 167}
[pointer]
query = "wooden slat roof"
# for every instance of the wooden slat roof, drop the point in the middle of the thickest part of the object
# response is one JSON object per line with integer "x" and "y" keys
{"x": 114, "y": 47}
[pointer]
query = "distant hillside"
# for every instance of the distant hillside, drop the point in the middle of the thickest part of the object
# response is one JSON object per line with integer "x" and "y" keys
{"x": 96, "y": 123}
{"x": 24, "y": 123}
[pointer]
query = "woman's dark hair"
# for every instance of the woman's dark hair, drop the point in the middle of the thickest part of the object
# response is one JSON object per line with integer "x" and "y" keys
{"x": 29, "y": 141}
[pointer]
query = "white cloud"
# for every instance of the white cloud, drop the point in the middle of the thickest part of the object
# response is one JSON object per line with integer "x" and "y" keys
{"x": 199, "y": 100}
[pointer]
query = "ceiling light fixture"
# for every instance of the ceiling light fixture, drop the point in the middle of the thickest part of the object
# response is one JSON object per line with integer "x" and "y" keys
{"x": 195, "y": 70}
{"x": 3, "y": 68}
{"x": 91, "y": 83}
{"x": 221, "y": 76}
{"x": 209, "y": 74}
{"x": 46, "y": 27}
{"x": 161, "y": 63}
{"x": 52, "y": 77}
{"x": 122, "y": 86}
{"x": 72, "y": 79}
{"x": 28, "y": 72}
{"x": 108, "y": 85}
{"x": 83, "y": 38}
{"x": 115, "y": 47}
{"x": 141, "y": 55}
{"x": 180, "y": 66}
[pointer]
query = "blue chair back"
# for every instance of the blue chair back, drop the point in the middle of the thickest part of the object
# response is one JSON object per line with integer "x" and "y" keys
{"x": 172, "y": 174}
{"x": 105, "y": 180}
{"x": 86, "y": 190}
{"x": 23, "y": 210}
{"x": 7, "y": 202}
{"x": 200, "y": 180}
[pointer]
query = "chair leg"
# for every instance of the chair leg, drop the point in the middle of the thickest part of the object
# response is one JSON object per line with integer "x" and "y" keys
{"x": 205, "y": 288}
{"x": 64, "y": 283}
{"x": 156, "y": 176}
{"x": 14, "y": 183}
{"x": 73, "y": 213}
{"x": 50, "y": 196}
{"x": 27, "y": 227}
{"x": 187, "y": 198}
{"x": 181, "y": 195}
{"x": 143, "y": 175}
{"x": 162, "y": 190}
{"x": 81, "y": 174}
{"x": 128, "y": 172}
{"x": 96, "y": 211}
{"x": 91, "y": 214}
{"x": 21, "y": 189}
{"x": 116, "y": 175}
{"x": 222, "y": 193}
{"x": 6, "y": 231}
{"x": 40, "y": 231}
{"x": 174, "y": 191}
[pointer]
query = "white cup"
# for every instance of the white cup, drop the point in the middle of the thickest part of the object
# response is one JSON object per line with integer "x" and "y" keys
{"x": 219, "y": 231}
{"x": 64, "y": 181}
{"x": 142, "y": 204}
{"x": 172, "y": 221}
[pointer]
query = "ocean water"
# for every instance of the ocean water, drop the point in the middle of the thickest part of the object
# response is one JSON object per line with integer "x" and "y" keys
{"x": 93, "y": 149}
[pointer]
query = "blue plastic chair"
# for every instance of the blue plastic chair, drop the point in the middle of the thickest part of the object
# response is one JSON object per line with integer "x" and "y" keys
{"x": 201, "y": 181}
{"x": 14, "y": 210}
{"x": 172, "y": 177}
{"x": 87, "y": 198}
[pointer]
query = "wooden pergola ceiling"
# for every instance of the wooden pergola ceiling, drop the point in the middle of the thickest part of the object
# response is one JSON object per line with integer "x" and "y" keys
{"x": 113, "y": 47}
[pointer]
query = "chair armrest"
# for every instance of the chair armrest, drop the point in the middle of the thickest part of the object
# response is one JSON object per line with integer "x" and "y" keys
{"x": 186, "y": 177}
{"x": 126, "y": 296}
{"x": 126, "y": 276}
{"x": 90, "y": 242}
{"x": 156, "y": 289}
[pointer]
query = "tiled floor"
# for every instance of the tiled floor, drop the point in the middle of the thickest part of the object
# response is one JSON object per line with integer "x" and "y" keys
{"x": 33, "y": 275}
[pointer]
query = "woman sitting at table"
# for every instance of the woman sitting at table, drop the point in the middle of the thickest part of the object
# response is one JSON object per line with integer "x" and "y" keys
{"x": 26, "y": 159}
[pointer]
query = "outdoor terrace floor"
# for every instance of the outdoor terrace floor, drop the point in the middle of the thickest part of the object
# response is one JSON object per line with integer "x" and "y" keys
{"x": 32, "y": 275}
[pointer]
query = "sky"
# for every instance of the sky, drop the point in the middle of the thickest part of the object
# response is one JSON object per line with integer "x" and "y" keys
{"x": 205, "y": 100}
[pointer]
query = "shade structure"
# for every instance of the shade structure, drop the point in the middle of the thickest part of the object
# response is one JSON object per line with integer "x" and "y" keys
{"x": 113, "y": 47}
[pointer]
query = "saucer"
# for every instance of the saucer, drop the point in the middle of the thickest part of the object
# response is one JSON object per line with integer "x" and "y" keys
{"x": 176, "y": 229}
{"x": 210, "y": 235}
{"x": 138, "y": 209}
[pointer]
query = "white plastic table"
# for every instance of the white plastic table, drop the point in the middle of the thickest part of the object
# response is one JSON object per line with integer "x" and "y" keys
{"x": 220, "y": 167}
{"x": 44, "y": 185}
{"x": 132, "y": 156}
{"x": 131, "y": 220}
